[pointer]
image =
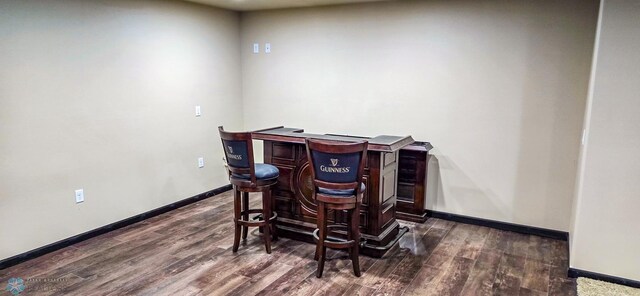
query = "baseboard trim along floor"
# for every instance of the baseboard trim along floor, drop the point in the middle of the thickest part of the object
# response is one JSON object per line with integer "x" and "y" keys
{"x": 17, "y": 259}
{"x": 576, "y": 273}
{"x": 519, "y": 228}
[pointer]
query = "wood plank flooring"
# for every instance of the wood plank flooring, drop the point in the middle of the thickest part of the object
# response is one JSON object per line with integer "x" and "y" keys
{"x": 188, "y": 252}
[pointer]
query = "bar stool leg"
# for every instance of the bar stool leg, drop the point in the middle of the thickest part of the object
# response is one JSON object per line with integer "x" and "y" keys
{"x": 274, "y": 228}
{"x": 236, "y": 217}
{"x": 266, "y": 214}
{"x": 354, "y": 233}
{"x": 245, "y": 215}
{"x": 316, "y": 255}
{"x": 321, "y": 250}
{"x": 319, "y": 219}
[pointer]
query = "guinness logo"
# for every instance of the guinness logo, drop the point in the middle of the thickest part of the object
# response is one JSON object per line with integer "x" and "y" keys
{"x": 334, "y": 168}
{"x": 233, "y": 156}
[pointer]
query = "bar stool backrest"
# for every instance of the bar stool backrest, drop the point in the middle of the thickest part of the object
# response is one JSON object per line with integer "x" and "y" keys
{"x": 238, "y": 151}
{"x": 337, "y": 165}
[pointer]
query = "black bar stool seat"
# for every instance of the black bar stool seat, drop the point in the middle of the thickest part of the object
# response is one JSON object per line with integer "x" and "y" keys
{"x": 264, "y": 172}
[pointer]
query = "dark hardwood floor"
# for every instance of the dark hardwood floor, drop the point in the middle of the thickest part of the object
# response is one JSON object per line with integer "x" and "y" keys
{"x": 188, "y": 252}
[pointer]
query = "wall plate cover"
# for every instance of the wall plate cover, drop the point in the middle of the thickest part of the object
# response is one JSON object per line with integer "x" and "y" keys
{"x": 201, "y": 162}
{"x": 79, "y": 195}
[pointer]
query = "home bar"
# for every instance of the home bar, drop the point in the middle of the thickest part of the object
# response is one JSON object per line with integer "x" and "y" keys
{"x": 293, "y": 194}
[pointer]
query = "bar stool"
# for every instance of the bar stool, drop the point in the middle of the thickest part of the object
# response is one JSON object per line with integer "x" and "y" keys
{"x": 337, "y": 169}
{"x": 247, "y": 176}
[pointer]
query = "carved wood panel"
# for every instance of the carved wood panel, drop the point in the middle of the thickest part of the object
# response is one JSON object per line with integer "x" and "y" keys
{"x": 294, "y": 193}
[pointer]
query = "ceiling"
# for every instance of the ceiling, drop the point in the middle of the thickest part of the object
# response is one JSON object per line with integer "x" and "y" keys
{"x": 246, "y": 5}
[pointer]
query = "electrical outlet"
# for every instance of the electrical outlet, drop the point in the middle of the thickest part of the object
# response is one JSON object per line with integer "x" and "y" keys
{"x": 198, "y": 111}
{"x": 267, "y": 48}
{"x": 79, "y": 195}
{"x": 201, "y": 162}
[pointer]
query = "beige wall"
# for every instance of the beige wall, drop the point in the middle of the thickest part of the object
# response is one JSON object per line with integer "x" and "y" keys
{"x": 606, "y": 233}
{"x": 499, "y": 87}
{"x": 100, "y": 95}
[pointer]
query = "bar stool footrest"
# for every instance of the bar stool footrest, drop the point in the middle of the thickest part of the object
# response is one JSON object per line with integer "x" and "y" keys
{"x": 334, "y": 242}
{"x": 259, "y": 223}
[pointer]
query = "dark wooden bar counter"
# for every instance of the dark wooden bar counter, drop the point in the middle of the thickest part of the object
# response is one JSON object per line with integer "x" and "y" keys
{"x": 285, "y": 148}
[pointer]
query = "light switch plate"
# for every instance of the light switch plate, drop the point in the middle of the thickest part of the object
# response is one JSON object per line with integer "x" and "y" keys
{"x": 198, "y": 111}
{"x": 267, "y": 48}
{"x": 201, "y": 162}
{"x": 256, "y": 48}
{"x": 79, "y": 195}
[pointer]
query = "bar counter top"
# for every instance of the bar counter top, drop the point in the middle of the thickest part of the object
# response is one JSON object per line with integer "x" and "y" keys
{"x": 383, "y": 143}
